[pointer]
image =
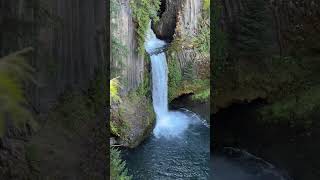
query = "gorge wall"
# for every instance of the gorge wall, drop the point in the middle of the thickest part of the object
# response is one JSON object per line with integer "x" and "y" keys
{"x": 132, "y": 65}
{"x": 185, "y": 25}
{"x": 180, "y": 20}
{"x": 253, "y": 68}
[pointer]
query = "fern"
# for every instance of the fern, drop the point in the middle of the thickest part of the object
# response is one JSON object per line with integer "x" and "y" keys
{"x": 14, "y": 72}
{"x": 117, "y": 166}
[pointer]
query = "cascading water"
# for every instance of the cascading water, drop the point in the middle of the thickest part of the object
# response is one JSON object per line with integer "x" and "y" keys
{"x": 179, "y": 146}
{"x": 168, "y": 124}
{"x": 159, "y": 74}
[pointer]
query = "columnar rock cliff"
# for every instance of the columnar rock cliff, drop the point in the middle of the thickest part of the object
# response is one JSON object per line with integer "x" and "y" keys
{"x": 187, "y": 27}
{"x": 72, "y": 47}
{"x": 68, "y": 36}
{"x": 133, "y": 66}
{"x": 180, "y": 20}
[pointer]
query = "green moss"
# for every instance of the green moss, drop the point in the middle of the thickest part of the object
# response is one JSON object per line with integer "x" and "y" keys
{"x": 74, "y": 110}
{"x": 200, "y": 88}
{"x": 202, "y": 96}
{"x": 132, "y": 120}
{"x": 295, "y": 109}
{"x": 174, "y": 77}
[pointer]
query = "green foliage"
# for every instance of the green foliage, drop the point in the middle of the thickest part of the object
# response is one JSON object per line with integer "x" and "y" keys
{"x": 145, "y": 87}
{"x": 206, "y": 5}
{"x": 295, "y": 109}
{"x": 114, "y": 129}
{"x": 202, "y": 95}
{"x": 118, "y": 170}
{"x": 200, "y": 88}
{"x": 14, "y": 72}
{"x": 201, "y": 41}
{"x": 73, "y": 111}
{"x": 114, "y": 90}
{"x": 174, "y": 76}
{"x": 144, "y": 11}
{"x": 118, "y": 125}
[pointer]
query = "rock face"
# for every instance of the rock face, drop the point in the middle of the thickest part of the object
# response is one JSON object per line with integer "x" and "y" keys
{"x": 135, "y": 112}
{"x": 187, "y": 27}
{"x": 181, "y": 17}
{"x": 181, "y": 22}
{"x": 183, "y": 12}
{"x": 288, "y": 18}
{"x": 287, "y": 29}
{"x": 135, "y": 118}
{"x": 132, "y": 66}
{"x": 72, "y": 49}
{"x": 166, "y": 26}
{"x": 69, "y": 39}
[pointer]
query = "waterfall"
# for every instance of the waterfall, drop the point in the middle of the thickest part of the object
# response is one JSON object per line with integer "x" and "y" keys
{"x": 159, "y": 74}
{"x": 168, "y": 123}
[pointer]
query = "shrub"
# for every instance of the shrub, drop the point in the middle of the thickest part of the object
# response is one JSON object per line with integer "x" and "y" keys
{"x": 114, "y": 90}
{"x": 143, "y": 12}
{"x": 174, "y": 76}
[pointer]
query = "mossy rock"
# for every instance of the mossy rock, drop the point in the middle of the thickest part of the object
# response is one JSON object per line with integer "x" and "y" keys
{"x": 132, "y": 120}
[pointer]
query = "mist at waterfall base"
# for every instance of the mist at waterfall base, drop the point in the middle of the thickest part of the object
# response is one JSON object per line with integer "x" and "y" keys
{"x": 179, "y": 145}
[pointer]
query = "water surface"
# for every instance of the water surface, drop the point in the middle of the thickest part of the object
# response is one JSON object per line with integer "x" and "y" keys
{"x": 183, "y": 156}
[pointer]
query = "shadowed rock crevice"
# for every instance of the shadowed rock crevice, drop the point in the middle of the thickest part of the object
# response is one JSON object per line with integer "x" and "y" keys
{"x": 165, "y": 28}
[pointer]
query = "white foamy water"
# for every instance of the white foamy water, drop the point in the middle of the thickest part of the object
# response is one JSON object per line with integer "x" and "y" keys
{"x": 169, "y": 124}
